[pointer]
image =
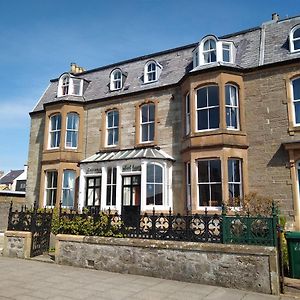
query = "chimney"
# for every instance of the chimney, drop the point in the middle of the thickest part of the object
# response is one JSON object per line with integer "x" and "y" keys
{"x": 75, "y": 69}
{"x": 275, "y": 17}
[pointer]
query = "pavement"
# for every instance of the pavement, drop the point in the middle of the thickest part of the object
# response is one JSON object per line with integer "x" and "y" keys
{"x": 29, "y": 279}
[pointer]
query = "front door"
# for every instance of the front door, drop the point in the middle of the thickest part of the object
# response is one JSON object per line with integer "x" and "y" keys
{"x": 131, "y": 200}
{"x": 93, "y": 193}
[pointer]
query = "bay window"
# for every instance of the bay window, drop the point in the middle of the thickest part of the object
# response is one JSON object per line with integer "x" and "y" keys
{"x": 234, "y": 181}
{"x": 55, "y": 131}
{"x": 187, "y": 114}
{"x": 154, "y": 185}
{"x": 72, "y": 130}
{"x": 51, "y": 188}
{"x": 296, "y": 100}
{"x": 232, "y": 106}
{"x": 68, "y": 188}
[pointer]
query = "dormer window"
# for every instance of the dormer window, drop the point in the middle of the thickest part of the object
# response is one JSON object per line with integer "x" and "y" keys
{"x": 69, "y": 85}
{"x": 116, "y": 80}
{"x": 152, "y": 71}
{"x": 295, "y": 39}
{"x": 211, "y": 50}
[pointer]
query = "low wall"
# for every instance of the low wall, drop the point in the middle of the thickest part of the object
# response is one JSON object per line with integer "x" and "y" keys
{"x": 6, "y": 197}
{"x": 17, "y": 244}
{"x": 252, "y": 268}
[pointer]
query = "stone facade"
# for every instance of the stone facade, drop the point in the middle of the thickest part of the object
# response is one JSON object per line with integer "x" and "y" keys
{"x": 17, "y": 244}
{"x": 243, "y": 267}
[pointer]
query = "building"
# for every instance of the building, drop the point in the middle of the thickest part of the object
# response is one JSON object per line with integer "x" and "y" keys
{"x": 14, "y": 180}
{"x": 186, "y": 129}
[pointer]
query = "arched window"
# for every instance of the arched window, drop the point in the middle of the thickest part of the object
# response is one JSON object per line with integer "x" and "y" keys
{"x": 147, "y": 120}
{"x": 69, "y": 85}
{"x": 154, "y": 185}
{"x": 296, "y": 100}
{"x": 207, "y": 108}
{"x": 295, "y": 39}
{"x": 232, "y": 106}
{"x": 152, "y": 71}
{"x": 112, "y": 128}
{"x": 209, "y": 51}
{"x": 116, "y": 80}
{"x": 72, "y": 130}
{"x": 54, "y": 131}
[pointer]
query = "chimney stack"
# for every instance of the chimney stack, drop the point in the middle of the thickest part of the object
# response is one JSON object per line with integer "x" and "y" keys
{"x": 75, "y": 69}
{"x": 275, "y": 17}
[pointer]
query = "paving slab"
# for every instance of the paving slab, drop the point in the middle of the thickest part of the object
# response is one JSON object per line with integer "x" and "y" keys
{"x": 28, "y": 279}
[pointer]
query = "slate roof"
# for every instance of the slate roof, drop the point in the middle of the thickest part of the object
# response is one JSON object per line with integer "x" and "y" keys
{"x": 150, "y": 153}
{"x": 262, "y": 45}
{"x": 10, "y": 176}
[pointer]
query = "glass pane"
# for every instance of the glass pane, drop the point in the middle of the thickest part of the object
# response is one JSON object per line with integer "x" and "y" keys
{"x": 150, "y": 173}
{"x": 117, "y": 75}
{"x": 296, "y": 89}
{"x": 297, "y": 112}
{"x": 215, "y": 170}
{"x": 110, "y": 119}
{"x": 236, "y": 168}
{"x": 206, "y": 45}
{"x": 212, "y": 44}
{"x": 151, "y": 112}
{"x": 150, "y": 194}
{"x": 68, "y": 198}
{"x": 109, "y": 175}
{"x": 203, "y": 195}
{"x": 214, "y": 118}
{"x": 231, "y": 194}
{"x": 126, "y": 180}
{"x": 116, "y": 136}
{"x": 69, "y": 179}
{"x": 234, "y": 120}
{"x": 297, "y": 33}
{"x": 151, "y": 131}
{"x": 158, "y": 194}
{"x": 90, "y": 196}
{"x": 216, "y": 195}
{"x": 202, "y": 98}
{"x": 213, "y": 95}
{"x": 136, "y": 180}
{"x": 144, "y": 109}
{"x": 213, "y": 56}
{"x": 116, "y": 119}
{"x": 158, "y": 174}
{"x": 98, "y": 181}
{"x": 202, "y": 119}
{"x": 237, "y": 191}
{"x": 114, "y": 173}
{"x": 108, "y": 195}
{"x": 228, "y": 117}
{"x": 136, "y": 195}
{"x": 126, "y": 195}
{"x": 110, "y": 137}
{"x": 203, "y": 171}
{"x": 145, "y": 133}
{"x": 226, "y": 55}
{"x": 297, "y": 45}
{"x": 91, "y": 182}
{"x": 54, "y": 179}
{"x": 230, "y": 170}
{"x": 97, "y": 197}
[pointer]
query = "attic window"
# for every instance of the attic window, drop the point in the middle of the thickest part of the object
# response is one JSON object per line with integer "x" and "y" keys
{"x": 69, "y": 85}
{"x": 152, "y": 71}
{"x": 116, "y": 80}
{"x": 295, "y": 39}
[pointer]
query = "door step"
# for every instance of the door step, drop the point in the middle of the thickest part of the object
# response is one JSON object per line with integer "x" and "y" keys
{"x": 46, "y": 257}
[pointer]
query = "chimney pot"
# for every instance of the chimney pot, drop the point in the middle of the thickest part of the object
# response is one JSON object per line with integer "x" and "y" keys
{"x": 275, "y": 17}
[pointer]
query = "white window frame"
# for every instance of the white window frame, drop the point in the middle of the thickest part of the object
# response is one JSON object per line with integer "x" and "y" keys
{"x": 114, "y": 82}
{"x": 187, "y": 114}
{"x": 55, "y": 131}
{"x": 292, "y": 39}
{"x": 294, "y": 101}
{"x": 235, "y": 107}
{"x": 188, "y": 173}
{"x": 229, "y": 50}
{"x": 206, "y": 108}
{"x": 113, "y": 128}
{"x": 72, "y": 82}
{"x": 240, "y": 182}
{"x": 209, "y": 183}
{"x": 148, "y": 123}
{"x": 157, "y": 71}
{"x": 72, "y": 130}
{"x": 71, "y": 189}
{"x": 112, "y": 185}
{"x": 209, "y": 51}
{"x": 50, "y": 189}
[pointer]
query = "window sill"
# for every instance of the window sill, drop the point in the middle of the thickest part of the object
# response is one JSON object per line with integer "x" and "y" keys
{"x": 145, "y": 144}
{"x": 217, "y": 131}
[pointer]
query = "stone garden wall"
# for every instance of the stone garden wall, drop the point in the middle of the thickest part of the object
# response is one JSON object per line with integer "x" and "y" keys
{"x": 252, "y": 268}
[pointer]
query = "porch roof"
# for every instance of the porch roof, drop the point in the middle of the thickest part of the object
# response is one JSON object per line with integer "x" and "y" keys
{"x": 126, "y": 154}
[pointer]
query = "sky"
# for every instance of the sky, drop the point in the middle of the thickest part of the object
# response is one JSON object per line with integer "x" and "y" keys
{"x": 40, "y": 38}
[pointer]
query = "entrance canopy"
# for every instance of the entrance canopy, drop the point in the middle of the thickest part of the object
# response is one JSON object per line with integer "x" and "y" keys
{"x": 144, "y": 153}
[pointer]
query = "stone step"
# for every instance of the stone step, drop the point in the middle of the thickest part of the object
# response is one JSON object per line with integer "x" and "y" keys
{"x": 46, "y": 257}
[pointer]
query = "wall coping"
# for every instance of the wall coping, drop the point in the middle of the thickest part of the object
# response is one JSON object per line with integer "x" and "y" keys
{"x": 174, "y": 245}
{"x": 23, "y": 234}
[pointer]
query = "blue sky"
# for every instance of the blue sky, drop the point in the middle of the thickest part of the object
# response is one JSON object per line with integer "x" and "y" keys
{"x": 40, "y": 38}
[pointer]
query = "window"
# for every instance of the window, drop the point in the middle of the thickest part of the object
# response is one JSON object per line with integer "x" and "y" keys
{"x": 54, "y": 132}
{"x": 232, "y": 107}
{"x": 226, "y": 51}
{"x": 196, "y": 58}
{"x": 116, "y": 80}
{"x": 188, "y": 185}
{"x": 51, "y": 188}
{"x": 152, "y": 71}
{"x": 296, "y": 100}
{"x": 111, "y": 186}
{"x": 72, "y": 130}
{"x": 209, "y": 51}
{"x": 209, "y": 183}
{"x": 295, "y": 39}
{"x": 187, "y": 115}
{"x": 154, "y": 185}
{"x": 93, "y": 191}
{"x": 68, "y": 189}
{"x": 69, "y": 85}
{"x": 65, "y": 86}
{"x": 234, "y": 182}
{"x": 207, "y": 108}
{"x": 147, "y": 122}
{"x": 112, "y": 127}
